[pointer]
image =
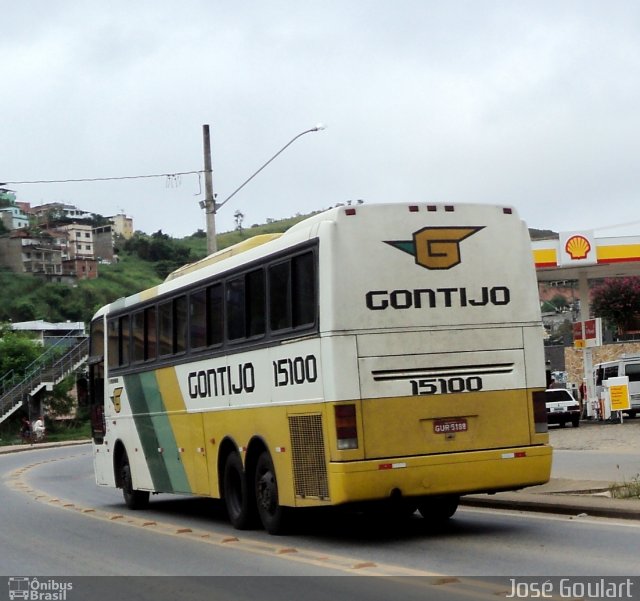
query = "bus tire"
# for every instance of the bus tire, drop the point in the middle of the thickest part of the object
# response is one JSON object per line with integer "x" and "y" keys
{"x": 133, "y": 499}
{"x": 438, "y": 508}
{"x": 272, "y": 515}
{"x": 237, "y": 499}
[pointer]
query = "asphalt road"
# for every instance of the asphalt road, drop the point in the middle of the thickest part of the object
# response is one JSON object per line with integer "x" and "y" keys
{"x": 57, "y": 522}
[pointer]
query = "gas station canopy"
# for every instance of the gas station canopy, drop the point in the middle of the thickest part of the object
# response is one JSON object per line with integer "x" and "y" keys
{"x": 582, "y": 256}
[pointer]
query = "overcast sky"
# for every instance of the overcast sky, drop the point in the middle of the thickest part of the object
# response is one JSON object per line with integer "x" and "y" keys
{"x": 534, "y": 104}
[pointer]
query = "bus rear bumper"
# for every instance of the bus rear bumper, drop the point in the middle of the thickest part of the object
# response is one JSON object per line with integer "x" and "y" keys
{"x": 451, "y": 473}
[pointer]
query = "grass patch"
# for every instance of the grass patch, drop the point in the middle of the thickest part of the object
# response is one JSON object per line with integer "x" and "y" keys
{"x": 57, "y": 431}
{"x": 60, "y": 431}
{"x": 626, "y": 490}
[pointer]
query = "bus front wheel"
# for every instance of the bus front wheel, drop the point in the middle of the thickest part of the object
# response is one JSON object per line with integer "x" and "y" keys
{"x": 237, "y": 499}
{"x": 272, "y": 515}
{"x": 134, "y": 499}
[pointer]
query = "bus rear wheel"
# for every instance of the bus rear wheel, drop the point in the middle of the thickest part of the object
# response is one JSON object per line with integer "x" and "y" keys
{"x": 272, "y": 515}
{"x": 237, "y": 498}
{"x": 438, "y": 509}
{"x": 133, "y": 499}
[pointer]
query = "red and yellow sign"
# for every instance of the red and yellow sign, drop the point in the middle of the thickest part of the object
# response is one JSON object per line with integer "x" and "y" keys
{"x": 578, "y": 248}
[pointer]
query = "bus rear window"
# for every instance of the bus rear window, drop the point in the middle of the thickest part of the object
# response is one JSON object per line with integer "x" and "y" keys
{"x": 292, "y": 293}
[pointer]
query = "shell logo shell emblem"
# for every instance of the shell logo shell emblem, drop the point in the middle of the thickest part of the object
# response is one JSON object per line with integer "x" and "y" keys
{"x": 577, "y": 247}
{"x": 436, "y": 247}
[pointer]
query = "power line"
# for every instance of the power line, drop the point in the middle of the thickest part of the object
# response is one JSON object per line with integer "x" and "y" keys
{"x": 102, "y": 179}
{"x": 617, "y": 225}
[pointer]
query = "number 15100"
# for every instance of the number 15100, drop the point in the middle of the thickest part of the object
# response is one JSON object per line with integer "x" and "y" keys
{"x": 446, "y": 385}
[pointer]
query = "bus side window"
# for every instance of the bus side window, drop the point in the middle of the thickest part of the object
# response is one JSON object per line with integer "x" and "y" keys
{"x": 113, "y": 350}
{"x": 303, "y": 287}
{"x": 165, "y": 328}
{"x": 255, "y": 303}
{"x": 198, "y": 319}
{"x": 124, "y": 339}
{"x": 235, "y": 294}
{"x": 138, "y": 336}
{"x": 151, "y": 333}
{"x": 180, "y": 325}
{"x": 215, "y": 315}
{"x": 280, "y": 296}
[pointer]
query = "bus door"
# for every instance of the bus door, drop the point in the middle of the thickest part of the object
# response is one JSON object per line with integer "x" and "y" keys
{"x": 96, "y": 381}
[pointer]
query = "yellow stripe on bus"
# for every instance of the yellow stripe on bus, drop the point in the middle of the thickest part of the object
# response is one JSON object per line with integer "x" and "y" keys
{"x": 187, "y": 429}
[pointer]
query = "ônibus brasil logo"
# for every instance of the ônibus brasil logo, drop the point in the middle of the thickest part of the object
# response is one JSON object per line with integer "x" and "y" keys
{"x": 436, "y": 247}
{"x": 38, "y": 589}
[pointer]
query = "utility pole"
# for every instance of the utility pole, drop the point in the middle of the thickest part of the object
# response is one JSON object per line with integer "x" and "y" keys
{"x": 209, "y": 203}
{"x": 209, "y": 198}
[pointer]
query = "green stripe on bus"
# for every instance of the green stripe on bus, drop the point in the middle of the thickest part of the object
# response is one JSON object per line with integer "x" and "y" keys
{"x": 154, "y": 430}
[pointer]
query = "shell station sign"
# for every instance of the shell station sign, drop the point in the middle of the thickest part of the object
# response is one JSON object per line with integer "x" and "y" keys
{"x": 577, "y": 248}
{"x": 600, "y": 257}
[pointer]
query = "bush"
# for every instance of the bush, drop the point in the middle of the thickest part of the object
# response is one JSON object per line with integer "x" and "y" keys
{"x": 617, "y": 301}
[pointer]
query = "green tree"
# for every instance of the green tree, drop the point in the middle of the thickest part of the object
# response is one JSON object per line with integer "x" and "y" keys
{"x": 239, "y": 218}
{"x": 24, "y": 310}
{"x": 17, "y": 351}
{"x": 59, "y": 402}
{"x": 559, "y": 301}
{"x": 617, "y": 301}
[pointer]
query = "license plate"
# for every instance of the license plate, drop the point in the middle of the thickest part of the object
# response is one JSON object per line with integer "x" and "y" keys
{"x": 450, "y": 426}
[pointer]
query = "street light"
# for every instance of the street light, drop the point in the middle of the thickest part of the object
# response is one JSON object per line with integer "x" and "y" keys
{"x": 210, "y": 205}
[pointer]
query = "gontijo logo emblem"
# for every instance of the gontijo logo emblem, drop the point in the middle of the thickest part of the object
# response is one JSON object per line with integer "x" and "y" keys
{"x": 436, "y": 247}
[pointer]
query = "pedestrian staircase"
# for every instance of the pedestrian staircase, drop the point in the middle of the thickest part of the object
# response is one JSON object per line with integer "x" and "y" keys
{"x": 51, "y": 367}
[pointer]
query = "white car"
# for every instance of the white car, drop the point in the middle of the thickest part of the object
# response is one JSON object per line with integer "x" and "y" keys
{"x": 562, "y": 407}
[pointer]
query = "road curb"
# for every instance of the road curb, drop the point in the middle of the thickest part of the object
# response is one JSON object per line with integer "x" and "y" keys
{"x": 561, "y": 503}
{"x": 17, "y": 448}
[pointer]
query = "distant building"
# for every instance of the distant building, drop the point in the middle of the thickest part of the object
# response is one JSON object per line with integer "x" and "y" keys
{"x": 67, "y": 248}
{"x": 79, "y": 260}
{"x": 40, "y": 256}
{"x": 49, "y": 334}
{"x": 122, "y": 225}
{"x": 12, "y": 214}
{"x": 7, "y": 195}
{"x": 55, "y": 211}
{"x": 103, "y": 244}
{"x": 80, "y": 240}
{"x": 14, "y": 218}
{"x": 80, "y": 269}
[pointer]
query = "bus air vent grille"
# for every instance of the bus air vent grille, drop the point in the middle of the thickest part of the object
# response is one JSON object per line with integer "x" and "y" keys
{"x": 307, "y": 452}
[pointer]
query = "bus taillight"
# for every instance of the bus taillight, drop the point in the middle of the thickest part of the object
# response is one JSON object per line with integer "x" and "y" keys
{"x": 346, "y": 427}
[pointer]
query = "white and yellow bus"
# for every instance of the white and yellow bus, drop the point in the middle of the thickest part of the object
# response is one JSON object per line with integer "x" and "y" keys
{"x": 377, "y": 353}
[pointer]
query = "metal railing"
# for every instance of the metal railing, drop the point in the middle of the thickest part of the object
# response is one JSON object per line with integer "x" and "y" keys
{"x": 50, "y": 368}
